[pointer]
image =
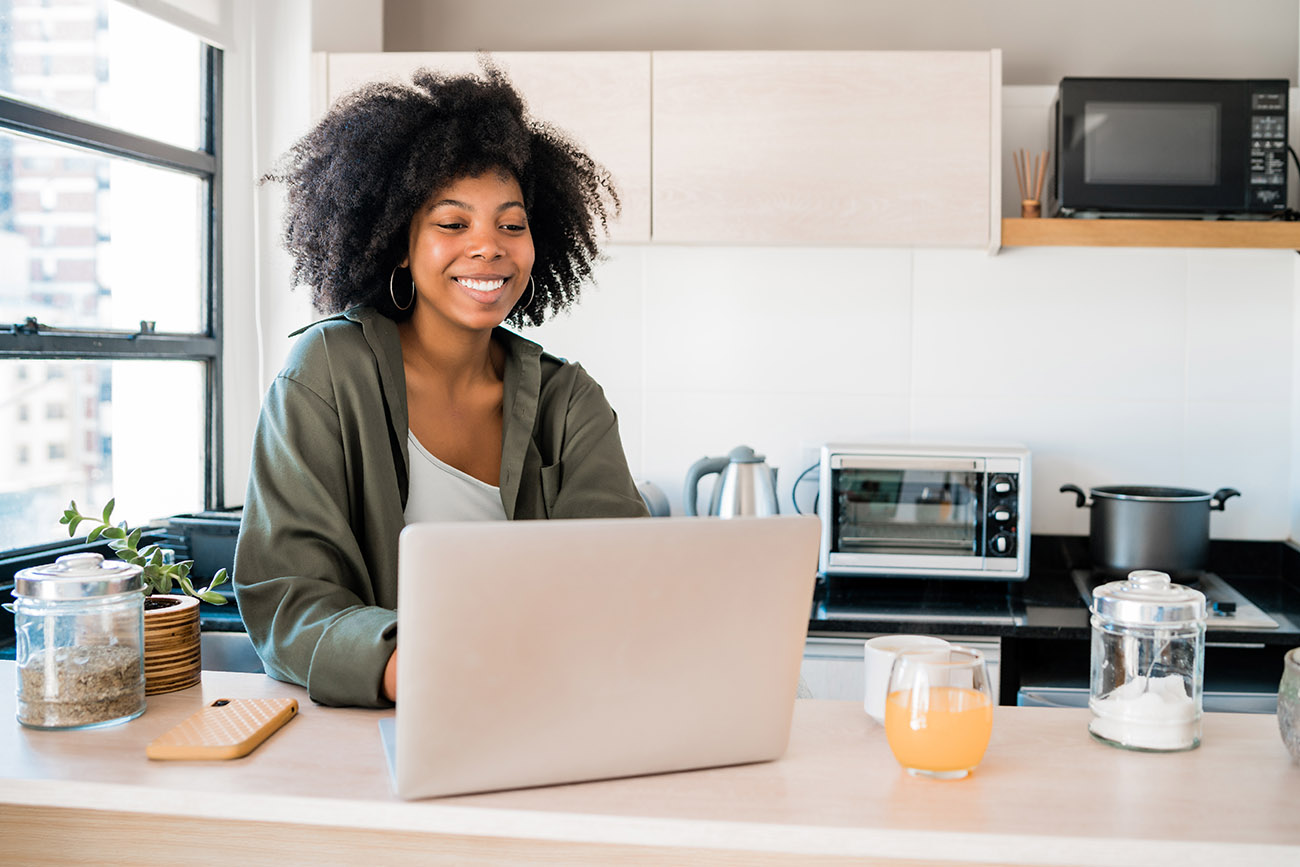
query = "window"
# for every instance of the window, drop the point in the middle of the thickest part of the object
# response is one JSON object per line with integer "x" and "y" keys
{"x": 110, "y": 304}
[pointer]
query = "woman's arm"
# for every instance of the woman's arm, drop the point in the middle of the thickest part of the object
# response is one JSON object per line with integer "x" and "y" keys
{"x": 591, "y": 479}
{"x": 304, "y": 587}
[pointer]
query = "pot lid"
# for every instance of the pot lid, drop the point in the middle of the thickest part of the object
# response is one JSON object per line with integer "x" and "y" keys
{"x": 1149, "y": 598}
{"x": 78, "y": 576}
{"x": 1151, "y": 492}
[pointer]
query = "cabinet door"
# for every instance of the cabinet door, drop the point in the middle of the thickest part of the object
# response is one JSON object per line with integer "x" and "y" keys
{"x": 882, "y": 148}
{"x": 600, "y": 99}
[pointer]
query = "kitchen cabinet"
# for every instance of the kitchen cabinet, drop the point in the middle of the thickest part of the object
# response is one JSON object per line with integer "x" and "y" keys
{"x": 600, "y": 98}
{"x": 882, "y": 148}
{"x": 833, "y": 667}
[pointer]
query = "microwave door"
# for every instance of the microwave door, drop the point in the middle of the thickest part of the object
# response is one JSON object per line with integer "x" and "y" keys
{"x": 1161, "y": 145}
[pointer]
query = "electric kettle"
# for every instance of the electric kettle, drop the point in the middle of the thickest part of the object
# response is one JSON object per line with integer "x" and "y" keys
{"x": 746, "y": 485}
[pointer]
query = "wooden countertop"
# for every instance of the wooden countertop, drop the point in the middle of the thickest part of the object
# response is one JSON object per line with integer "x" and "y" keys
{"x": 319, "y": 791}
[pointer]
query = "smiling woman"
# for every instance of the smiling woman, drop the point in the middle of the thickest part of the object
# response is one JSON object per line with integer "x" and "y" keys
{"x": 423, "y": 215}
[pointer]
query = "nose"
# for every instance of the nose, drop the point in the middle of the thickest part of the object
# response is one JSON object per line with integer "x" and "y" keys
{"x": 483, "y": 243}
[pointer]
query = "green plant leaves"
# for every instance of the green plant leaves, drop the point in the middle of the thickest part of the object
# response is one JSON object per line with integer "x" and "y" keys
{"x": 158, "y": 575}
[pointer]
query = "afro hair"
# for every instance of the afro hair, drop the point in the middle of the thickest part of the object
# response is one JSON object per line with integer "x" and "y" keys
{"x": 356, "y": 180}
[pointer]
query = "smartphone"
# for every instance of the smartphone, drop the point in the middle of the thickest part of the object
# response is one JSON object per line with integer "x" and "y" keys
{"x": 226, "y": 729}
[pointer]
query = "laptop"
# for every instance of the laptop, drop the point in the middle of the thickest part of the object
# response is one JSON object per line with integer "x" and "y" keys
{"x": 543, "y": 652}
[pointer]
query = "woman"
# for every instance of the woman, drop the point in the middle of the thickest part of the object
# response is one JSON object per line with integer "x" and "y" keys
{"x": 429, "y": 214}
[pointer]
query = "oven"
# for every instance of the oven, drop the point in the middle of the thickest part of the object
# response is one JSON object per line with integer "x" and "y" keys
{"x": 925, "y": 511}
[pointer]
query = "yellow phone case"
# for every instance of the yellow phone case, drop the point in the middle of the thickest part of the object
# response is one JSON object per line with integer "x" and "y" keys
{"x": 226, "y": 729}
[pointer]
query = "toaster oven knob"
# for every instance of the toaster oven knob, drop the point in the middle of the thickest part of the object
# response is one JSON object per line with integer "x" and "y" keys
{"x": 1001, "y": 515}
{"x": 1003, "y": 544}
{"x": 1002, "y": 485}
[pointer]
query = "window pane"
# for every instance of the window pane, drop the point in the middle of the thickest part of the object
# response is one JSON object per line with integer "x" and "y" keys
{"x": 106, "y": 62}
{"x": 91, "y": 430}
{"x": 91, "y": 241}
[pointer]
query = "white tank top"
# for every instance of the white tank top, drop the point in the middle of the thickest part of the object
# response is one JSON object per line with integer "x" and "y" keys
{"x": 440, "y": 492}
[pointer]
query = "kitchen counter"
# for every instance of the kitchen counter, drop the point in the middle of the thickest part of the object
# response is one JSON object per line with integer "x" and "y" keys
{"x": 319, "y": 789}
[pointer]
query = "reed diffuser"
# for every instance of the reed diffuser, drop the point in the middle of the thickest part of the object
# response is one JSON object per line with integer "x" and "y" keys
{"x": 1031, "y": 181}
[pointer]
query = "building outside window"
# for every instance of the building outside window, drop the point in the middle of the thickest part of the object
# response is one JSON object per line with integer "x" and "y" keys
{"x": 109, "y": 279}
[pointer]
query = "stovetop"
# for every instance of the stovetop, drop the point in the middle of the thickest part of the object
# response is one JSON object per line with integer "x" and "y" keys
{"x": 1226, "y": 607}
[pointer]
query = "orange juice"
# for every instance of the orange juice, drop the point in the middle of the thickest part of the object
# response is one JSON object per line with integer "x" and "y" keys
{"x": 948, "y": 730}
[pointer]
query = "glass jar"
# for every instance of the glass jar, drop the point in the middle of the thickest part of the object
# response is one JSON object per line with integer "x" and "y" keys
{"x": 1288, "y": 703}
{"x": 80, "y": 643}
{"x": 1148, "y": 663}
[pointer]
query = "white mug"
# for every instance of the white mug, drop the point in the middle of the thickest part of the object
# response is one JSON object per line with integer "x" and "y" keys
{"x": 878, "y": 654}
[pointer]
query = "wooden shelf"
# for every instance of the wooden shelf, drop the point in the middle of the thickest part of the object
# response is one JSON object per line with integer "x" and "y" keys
{"x": 1058, "y": 232}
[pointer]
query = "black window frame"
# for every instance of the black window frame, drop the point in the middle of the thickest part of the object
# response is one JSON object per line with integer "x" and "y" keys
{"x": 34, "y": 340}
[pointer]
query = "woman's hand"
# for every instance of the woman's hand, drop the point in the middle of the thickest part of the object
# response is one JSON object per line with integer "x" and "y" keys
{"x": 390, "y": 678}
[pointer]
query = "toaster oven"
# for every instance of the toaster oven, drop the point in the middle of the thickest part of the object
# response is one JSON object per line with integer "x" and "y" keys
{"x": 925, "y": 511}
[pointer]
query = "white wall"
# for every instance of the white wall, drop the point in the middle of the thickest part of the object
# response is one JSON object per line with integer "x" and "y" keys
{"x": 1041, "y": 40}
{"x": 266, "y": 107}
{"x": 1115, "y": 366}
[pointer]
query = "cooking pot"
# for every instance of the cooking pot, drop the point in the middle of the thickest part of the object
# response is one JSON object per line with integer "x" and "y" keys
{"x": 1142, "y": 527}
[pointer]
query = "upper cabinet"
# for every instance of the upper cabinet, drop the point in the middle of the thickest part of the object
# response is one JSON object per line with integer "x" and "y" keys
{"x": 877, "y": 148}
{"x": 600, "y": 99}
{"x": 882, "y": 148}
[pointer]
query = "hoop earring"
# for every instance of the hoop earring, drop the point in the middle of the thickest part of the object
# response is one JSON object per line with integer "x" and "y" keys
{"x": 524, "y": 304}
{"x": 393, "y": 295}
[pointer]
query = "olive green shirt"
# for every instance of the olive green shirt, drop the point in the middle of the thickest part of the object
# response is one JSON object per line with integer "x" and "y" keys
{"x": 316, "y": 561}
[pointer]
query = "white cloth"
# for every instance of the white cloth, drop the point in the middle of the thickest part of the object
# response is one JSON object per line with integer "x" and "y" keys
{"x": 440, "y": 492}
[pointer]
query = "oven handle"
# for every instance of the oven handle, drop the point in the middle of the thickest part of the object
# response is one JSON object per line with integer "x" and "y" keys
{"x": 853, "y": 462}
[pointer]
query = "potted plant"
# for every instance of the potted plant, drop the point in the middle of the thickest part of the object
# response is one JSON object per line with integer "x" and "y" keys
{"x": 171, "y": 622}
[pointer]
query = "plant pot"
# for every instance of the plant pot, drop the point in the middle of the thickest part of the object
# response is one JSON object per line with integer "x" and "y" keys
{"x": 171, "y": 643}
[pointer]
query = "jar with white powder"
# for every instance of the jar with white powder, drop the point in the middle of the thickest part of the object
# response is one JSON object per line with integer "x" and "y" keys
{"x": 1148, "y": 659}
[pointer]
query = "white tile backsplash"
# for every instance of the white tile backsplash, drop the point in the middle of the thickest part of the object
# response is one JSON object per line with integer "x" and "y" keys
{"x": 778, "y": 320}
{"x": 1045, "y": 322}
{"x": 1244, "y": 445}
{"x": 1239, "y": 324}
{"x": 1114, "y": 366}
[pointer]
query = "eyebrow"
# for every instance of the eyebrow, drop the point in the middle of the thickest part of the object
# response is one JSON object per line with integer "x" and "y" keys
{"x": 455, "y": 203}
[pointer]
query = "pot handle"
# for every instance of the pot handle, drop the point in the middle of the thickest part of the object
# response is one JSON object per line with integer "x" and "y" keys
{"x": 1221, "y": 496}
{"x": 1078, "y": 492}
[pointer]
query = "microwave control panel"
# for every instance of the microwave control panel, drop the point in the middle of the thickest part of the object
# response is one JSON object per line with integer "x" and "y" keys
{"x": 1268, "y": 143}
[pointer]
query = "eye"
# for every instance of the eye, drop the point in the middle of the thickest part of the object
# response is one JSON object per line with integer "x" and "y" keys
{"x": 513, "y": 227}
{"x": 451, "y": 225}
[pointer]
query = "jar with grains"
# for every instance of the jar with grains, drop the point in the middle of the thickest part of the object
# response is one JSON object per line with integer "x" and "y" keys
{"x": 1148, "y": 659}
{"x": 79, "y": 624}
{"x": 1288, "y": 703}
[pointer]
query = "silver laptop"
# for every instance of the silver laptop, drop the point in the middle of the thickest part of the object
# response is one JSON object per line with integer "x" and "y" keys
{"x": 541, "y": 652}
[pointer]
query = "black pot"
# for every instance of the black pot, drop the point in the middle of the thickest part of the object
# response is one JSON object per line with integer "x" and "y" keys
{"x": 1141, "y": 527}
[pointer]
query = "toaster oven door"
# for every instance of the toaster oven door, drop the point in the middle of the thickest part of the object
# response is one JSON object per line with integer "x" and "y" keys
{"x": 908, "y": 514}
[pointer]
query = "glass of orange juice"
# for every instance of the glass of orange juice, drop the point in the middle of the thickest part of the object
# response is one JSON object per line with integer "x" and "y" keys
{"x": 939, "y": 711}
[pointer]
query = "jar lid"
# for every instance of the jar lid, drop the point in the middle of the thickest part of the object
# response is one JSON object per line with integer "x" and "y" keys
{"x": 1148, "y": 597}
{"x": 78, "y": 576}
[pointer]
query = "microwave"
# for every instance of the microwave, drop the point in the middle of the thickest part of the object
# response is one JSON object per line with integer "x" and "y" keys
{"x": 1169, "y": 147}
{"x": 924, "y": 511}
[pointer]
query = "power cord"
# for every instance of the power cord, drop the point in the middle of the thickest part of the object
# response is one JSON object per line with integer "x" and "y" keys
{"x": 794, "y": 501}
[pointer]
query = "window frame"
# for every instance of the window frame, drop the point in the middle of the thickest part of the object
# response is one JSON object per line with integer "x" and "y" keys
{"x": 34, "y": 340}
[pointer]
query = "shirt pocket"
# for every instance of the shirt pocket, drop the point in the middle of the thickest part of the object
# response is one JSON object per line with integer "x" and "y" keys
{"x": 552, "y": 477}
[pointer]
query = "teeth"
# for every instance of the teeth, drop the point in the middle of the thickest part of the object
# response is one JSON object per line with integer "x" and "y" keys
{"x": 481, "y": 285}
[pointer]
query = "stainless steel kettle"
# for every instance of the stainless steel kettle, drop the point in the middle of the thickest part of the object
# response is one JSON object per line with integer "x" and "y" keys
{"x": 746, "y": 485}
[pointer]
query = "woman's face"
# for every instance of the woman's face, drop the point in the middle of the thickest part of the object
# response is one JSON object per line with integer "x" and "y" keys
{"x": 471, "y": 252}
